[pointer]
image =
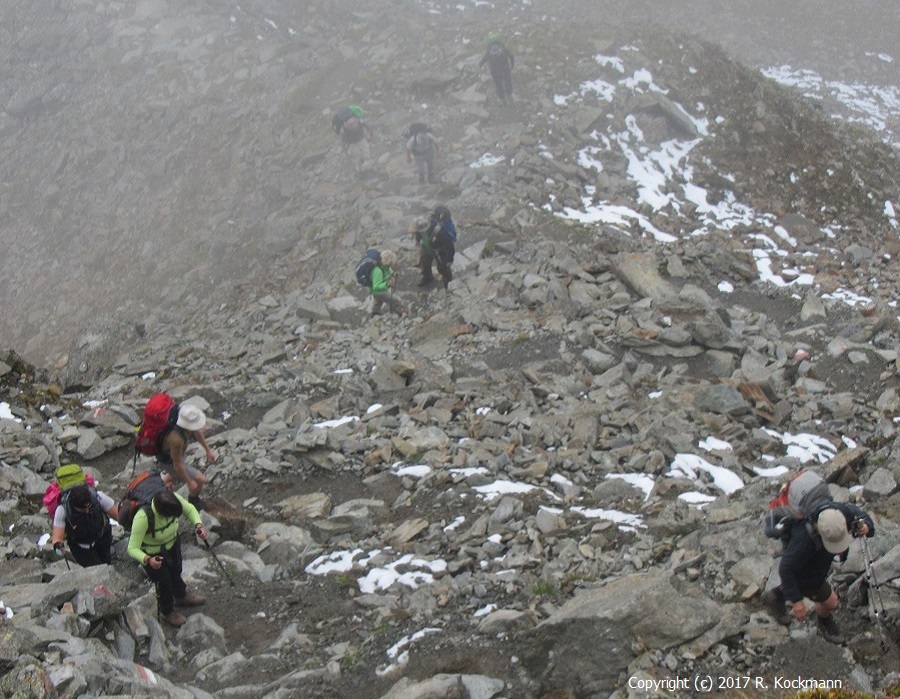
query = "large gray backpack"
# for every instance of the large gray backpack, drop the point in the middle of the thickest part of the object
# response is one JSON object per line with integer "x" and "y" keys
{"x": 800, "y": 500}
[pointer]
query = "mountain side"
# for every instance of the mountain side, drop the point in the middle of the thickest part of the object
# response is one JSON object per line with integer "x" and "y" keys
{"x": 674, "y": 288}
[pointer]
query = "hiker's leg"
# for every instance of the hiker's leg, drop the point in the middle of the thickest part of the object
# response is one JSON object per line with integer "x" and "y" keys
{"x": 162, "y": 578}
{"x": 173, "y": 564}
{"x": 445, "y": 272}
{"x": 378, "y": 301}
{"x": 84, "y": 557}
{"x": 426, "y": 257}
{"x": 103, "y": 548}
{"x": 826, "y": 600}
{"x": 429, "y": 163}
{"x": 420, "y": 167}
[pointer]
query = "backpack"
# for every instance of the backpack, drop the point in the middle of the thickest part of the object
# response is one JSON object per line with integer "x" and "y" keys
{"x": 800, "y": 500}
{"x": 364, "y": 267}
{"x": 160, "y": 415}
{"x": 84, "y": 527}
{"x": 343, "y": 114}
{"x": 66, "y": 477}
{"x": 415, "y": 129}
{"x": 139, "y": 493}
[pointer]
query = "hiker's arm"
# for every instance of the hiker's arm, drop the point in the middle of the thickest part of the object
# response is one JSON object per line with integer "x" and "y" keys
{"x": 368, "y": 130}
{"x": 189, "y": 511}
{"x": 136, "y": 540}
{"x": 108, "y": 505}
{"x": 58, "y": 534}
{"x": 176, "y": 451}
{"x": 792, "y": 558}
{"x": 201, "y": 439}
{"x": 858, "y": 522}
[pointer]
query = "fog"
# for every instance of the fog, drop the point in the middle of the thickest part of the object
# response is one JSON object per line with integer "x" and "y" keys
{"x": 159, "y": 157}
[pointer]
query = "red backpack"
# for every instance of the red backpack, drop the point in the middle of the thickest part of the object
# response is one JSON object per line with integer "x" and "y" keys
{"x": 160, "y": 413}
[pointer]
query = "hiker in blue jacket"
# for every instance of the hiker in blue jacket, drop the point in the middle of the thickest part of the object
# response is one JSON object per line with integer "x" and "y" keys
{"x": 806, "y": 561}
{"x": 437, "y": 244}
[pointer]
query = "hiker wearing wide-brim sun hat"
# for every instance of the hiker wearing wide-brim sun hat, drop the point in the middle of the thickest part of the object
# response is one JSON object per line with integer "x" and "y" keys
{"x": 191, "y": 418}
{"x": 806, "y": 559}
{"x": 188, "y": 426}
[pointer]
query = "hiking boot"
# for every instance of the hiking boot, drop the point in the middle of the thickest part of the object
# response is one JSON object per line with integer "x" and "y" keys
{"x": 190, "y": 600}
{"x": 774, "y": 601}
{"x": 426, "y": 282}
{"x": 175, "y": 619}
{"x": 829, "y": 630}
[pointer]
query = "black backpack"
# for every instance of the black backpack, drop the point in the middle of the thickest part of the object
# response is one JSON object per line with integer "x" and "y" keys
{"x": 415, "y": 129}
{"x": 84, "y": 527}
{"x": 344, "y": 114}
{"x": 364, "y": 267}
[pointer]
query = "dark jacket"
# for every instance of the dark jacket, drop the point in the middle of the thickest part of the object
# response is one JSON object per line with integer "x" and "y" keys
{"x": 804, "y": 562}
{"x": 497, "y": 56}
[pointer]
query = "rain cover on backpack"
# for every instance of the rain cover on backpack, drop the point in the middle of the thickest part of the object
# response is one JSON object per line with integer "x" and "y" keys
{"x": 802, "y": 499}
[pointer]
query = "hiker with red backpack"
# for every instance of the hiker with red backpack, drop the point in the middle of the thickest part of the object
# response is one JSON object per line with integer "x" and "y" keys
{"x": 813, "y": 530}
{"x": 166, "y": 431}
{"x": 188, "y": 425}
{"x": 80, "y": 515}
{"x": 154, "y": 543}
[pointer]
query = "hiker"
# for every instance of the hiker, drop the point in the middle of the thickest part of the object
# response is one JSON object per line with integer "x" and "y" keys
{"x": 383, "y": 280}
{"x": 437, "y": 243}
{"x": 809, "y": 548}
{"x": 155, "y": 544}
{"x": 82, "y": 519}
{"x": 170, "y": 458}
{"x": 355, "y": 135}
{"x": 500, "y": 61}
{"x": 422, "y": 147}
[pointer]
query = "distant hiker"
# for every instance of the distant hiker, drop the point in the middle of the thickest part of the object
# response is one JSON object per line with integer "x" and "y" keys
{"x": 436, "y": 239}
{"x": 500, "y": 61}
{"x": 354, "y": 134}
{"x": 82, "y": 519}
{"x": 383, "y": 279}
{"x": 422, "y": 147}
{"x": 155, "y": 544}
{"x": 808, "y": 550}
{"x": 189, "y": 425}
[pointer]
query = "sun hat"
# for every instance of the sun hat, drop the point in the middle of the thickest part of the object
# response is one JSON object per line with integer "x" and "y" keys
{"x": 833, "y": 529}
{"x": 190, "y": 418}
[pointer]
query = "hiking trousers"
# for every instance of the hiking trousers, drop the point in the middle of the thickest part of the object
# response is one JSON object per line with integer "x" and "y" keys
{"x": 96, "y": 554}
{"x": 502, "y": 76}
{"x": 168, "y": 581}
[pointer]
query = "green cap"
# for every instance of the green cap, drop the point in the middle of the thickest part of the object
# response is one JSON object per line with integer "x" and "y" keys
{"x": 69, "y": 475}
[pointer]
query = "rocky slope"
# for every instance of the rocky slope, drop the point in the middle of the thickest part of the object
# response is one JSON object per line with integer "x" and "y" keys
{"x": 546, "y": 480}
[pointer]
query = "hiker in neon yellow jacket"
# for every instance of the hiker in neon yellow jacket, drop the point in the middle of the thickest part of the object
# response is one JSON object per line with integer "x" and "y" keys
{"x": 155, "y": 544}
{"x": 384, "y": 277}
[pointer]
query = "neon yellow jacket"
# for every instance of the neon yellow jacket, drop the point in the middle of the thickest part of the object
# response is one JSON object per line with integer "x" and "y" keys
{"x": 143, "y": 543}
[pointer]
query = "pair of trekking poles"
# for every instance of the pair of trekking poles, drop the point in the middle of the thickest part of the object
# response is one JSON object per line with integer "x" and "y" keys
{"x": 875, "y": 600}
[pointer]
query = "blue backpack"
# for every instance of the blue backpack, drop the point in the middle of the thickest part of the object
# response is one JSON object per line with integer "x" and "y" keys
{"x": 364, "y": 267}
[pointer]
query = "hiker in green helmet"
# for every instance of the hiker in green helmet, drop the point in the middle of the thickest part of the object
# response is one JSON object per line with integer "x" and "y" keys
{"x": 500, "y": 61}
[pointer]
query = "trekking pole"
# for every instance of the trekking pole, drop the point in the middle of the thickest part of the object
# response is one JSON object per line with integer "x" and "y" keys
{"x": 875, "y": 600}
{"x": 156, "y": 588}
{"x": 60, "y": 551}
{"x": 216, "y": 559}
